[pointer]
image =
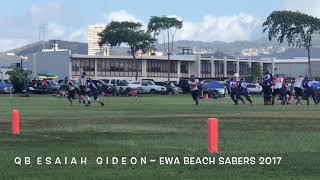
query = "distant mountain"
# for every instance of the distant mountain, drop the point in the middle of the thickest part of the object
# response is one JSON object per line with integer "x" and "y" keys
{"x": 75, "y": 47}
{"x": 235, "y": 48}
{"x": 296, "y": 52}
{"x": 231, "y": 48}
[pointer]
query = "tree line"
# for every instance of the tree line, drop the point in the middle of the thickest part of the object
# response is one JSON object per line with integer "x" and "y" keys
{"x": 140, "y": 40}
{"x": 293, "y": 27}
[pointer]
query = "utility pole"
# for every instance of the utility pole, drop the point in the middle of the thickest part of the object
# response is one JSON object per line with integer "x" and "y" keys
{"x": 39, "y": 29}
{"x": 42, "y": 28}
{"x": 43, "y": 35}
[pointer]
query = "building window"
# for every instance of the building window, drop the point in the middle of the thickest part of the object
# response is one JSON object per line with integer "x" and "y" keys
{"x": 219, "y": 68}
{"x": 118, "y": 68}
{"x": 83, "y": 65}
{"x": 173, "y": 67}
{"x": 159, "y": 68}
{"x": 265, "y": 67}
{"x": 75, "y": 68}
{"x": 243, "y": 69}
{"x": 101, "y": 68}
{"x": 205, "y": 69}
{"x": 231, "y": 68}
{"x": 184, "y": 69}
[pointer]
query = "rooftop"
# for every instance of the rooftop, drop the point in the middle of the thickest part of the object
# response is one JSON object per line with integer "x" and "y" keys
{"x": 7, "y": 60}
{"x": 173, "y": 57}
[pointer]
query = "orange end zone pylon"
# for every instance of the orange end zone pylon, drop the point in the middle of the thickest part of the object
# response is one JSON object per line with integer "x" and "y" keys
{"x": 213, "y": 135}
{"x": 15, "y": 122}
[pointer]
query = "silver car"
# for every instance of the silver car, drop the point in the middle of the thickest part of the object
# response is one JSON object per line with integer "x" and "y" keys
{"x": 254, "y": 88}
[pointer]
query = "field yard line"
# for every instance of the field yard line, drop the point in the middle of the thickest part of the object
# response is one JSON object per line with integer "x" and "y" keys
{"x": 172, "y": 147}
{"x": 45, "y": 136}
{"x": 163, "y": 147}
{"x": 57, "y": 137}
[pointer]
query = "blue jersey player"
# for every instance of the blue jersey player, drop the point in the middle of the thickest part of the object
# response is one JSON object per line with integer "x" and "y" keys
{"x": 266, "y": 86}
{"x": 244, "y": 90}
{"x": 94, "y": 92}
{"x": 235, "y": 91}
{"x": 309, "y": 90}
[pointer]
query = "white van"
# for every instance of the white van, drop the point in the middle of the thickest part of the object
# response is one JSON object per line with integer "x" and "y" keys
{"x": 123, "y": 84}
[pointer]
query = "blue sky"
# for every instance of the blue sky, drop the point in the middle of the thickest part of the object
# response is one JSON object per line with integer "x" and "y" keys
{"x": 205, "y": 20}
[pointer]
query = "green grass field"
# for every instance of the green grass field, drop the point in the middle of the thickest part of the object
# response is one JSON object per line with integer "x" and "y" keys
{"x": 158, "y": 126}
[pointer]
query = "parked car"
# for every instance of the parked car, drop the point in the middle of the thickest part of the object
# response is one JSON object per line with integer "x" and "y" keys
{"x": 119, "y": 83}
{"x": 61, "y": 82}
{"x": 39, "y": 87}
{"x": 216, "y": 89}
{"x": 104, "y": 88}
{"x": 148, "y": 80}
{"x": 122, "y": 87}
{"x": 63, "y": 87}
{"x": 184, "y": 85}
{"x": 101, "y": 85}
{"x": 161, "y": 83}
{"x": 149, "y": 87}
{"x": 165, "y": 83}
{"x": 5, "y": 87}
{"x": 134, "y": 86}
{"x": 254, "y": 88}
{"x": 172, "y": 87}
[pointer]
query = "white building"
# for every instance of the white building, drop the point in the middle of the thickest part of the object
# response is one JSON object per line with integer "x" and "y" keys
{"x": 93, "y": 41}
{"x": 297, "y": 67}
{"x": 63, "y": 63}
{"x": 8, "y": 62}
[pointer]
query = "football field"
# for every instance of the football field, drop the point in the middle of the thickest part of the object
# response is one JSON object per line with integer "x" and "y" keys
{"x": 153, "y": 127}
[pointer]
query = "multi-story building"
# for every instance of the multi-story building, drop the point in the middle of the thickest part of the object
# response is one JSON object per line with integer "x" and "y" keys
{"x": 63, "y": 63}
{"x": 148, "y": 67}
{"x": 93, "y": 41}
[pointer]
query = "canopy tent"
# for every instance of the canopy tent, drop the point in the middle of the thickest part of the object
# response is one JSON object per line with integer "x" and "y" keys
{"x": 48, "y": 76}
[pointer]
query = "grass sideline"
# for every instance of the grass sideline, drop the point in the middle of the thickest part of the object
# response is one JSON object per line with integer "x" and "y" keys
{"x": 158, "y": 126}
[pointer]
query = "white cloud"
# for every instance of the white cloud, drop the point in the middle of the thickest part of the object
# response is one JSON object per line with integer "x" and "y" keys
{"x": 78, "y": 35}
{"x": 55, "y": 31}
{"x": 52, "y": 14}
{"x": 212, "y": 28}
{"x": 59, "y": 26}
{"x": 175, "y": 16}
{"x": 224, "y": 28}
{"x": 41, "y": 9}
{"x": 311, "y": 7}
{"x": 11, "y": 43}
{"x": 44, "y": 13}
{"x": 122, "y": 15}
{"x": 49, "y": 14}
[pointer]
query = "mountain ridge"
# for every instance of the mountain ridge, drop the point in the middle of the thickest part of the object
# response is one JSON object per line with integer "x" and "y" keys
{"x": 233, "y": 48}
